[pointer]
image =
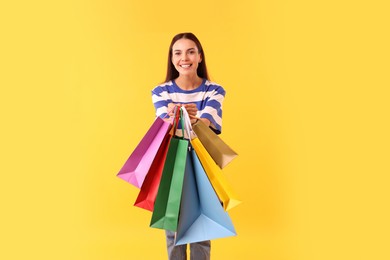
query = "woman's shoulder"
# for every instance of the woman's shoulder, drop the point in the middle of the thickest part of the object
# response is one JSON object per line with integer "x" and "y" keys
{"x": 213, "y": 86}
{"x": 165, "y": 84}
{"x": 163, "y": 87}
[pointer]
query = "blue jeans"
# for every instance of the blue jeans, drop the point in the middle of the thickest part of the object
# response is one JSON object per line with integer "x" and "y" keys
{"x": 199, "y": 250}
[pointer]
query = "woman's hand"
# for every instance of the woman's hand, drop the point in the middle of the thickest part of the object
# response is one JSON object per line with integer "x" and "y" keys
{"x": 191, "y": 108}
{"x": 170, "y": 109}
{"x": 192, "y": 111}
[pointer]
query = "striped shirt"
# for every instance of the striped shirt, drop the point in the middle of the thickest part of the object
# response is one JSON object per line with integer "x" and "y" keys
{"x": 208, "y": 98}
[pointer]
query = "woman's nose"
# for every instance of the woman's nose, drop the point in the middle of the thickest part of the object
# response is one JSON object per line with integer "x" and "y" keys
{"x": 184, "y": 56}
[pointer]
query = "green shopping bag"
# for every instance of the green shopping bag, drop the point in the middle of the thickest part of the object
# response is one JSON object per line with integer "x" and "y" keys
{"x": 167, "y": 204}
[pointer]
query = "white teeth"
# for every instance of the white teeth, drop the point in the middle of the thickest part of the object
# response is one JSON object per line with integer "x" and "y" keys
{"x": 185, "y": 66}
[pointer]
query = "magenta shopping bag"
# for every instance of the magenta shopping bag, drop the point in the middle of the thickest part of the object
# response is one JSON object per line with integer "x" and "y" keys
{"x": 138, "y": 164}
{"x": 147, "y": 194}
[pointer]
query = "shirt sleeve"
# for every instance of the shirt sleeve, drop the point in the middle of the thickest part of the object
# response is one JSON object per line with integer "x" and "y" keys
{"x": 160, "y": 102}
{"x": 213, "y": 109}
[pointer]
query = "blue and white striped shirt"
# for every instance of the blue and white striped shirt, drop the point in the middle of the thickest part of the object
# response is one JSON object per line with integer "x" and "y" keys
{"x": 208, "y": 98}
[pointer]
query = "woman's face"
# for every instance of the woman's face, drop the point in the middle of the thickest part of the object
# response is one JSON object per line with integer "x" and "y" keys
{"x": 186, "y": 57}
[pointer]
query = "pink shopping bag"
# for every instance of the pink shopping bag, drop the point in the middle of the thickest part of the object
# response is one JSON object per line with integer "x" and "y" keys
{"x": 138, "y": 164}
{"x": 147, "y": 194}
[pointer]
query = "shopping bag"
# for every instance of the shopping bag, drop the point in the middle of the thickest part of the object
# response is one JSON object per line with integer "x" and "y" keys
{"x": 148, "y": 192}
{"x": 201, "y": 214}
{"x": 138, "y": 164}
{"x": 167, "y": 204}
{"x": 218, "y": 180}
{"x": 221, "y": 153}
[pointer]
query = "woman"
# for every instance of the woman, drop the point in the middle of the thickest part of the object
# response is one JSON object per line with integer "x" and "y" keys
{"x": 187, "y": 83}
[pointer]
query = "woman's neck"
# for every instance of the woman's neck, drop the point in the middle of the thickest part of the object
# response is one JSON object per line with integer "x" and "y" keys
{"x": 188, "y": 83}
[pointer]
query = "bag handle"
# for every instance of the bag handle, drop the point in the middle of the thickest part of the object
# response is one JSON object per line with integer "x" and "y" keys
{"x": 190, "y": 132}
{"x": 175, "y": 121}
{"x": 167, "y": 114}
{"x": 182, "y": 121}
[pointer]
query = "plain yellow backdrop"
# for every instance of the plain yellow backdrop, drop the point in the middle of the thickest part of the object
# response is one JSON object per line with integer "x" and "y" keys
{"x": 307, "y": 109}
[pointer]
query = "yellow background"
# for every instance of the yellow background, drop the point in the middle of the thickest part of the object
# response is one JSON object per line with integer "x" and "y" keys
{"x": 307, "y": 109}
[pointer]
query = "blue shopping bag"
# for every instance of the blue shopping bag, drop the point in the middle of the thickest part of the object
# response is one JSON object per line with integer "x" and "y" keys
{"x": 202, "y": 216}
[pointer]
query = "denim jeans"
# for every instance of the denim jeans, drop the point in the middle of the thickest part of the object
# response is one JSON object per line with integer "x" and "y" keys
{"x": 198, "y": 251}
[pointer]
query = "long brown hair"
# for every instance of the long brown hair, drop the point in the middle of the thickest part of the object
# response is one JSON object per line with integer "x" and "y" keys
{"x": 172, "y": 73}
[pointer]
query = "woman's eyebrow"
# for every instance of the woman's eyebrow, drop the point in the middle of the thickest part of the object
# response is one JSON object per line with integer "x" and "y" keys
{"x": 190, "y": 49}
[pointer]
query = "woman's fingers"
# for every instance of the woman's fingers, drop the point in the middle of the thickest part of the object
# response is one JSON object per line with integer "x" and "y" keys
{"x": 191, "y": 109}
{"x": 170, "y": 109}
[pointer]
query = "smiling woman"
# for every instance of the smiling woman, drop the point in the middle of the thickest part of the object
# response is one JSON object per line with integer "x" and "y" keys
{"x": 186, "y": 50}
{"x": 187, "y": 83}
{"x": 186, "y": 58}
